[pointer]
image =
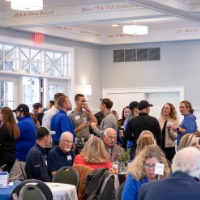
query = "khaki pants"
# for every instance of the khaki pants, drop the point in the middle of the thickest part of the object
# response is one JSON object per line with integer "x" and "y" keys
{"x": 18, "y": 171}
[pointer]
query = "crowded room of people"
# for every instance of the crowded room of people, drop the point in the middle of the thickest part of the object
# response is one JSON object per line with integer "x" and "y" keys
{"x": 99, "y": 100}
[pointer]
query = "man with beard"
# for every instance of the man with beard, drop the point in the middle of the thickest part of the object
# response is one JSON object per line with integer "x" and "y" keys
{"x": 24, "y": 143}
{"x": 61, "y": 155}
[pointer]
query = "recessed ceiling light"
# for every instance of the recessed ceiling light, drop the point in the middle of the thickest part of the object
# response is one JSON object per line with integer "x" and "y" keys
{"x": 115, "y": 25}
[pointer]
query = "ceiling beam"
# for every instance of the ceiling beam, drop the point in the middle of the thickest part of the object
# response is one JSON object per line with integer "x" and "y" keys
{"x": 170, "y": 6}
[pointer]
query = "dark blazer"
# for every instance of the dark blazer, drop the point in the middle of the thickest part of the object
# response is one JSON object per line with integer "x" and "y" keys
{"x": 179, "y": 186}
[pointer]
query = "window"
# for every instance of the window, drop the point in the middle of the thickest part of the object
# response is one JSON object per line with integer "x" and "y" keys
{"x": 35, "y": 69}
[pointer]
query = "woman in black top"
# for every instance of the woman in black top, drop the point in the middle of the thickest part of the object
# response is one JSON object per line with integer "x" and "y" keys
{"x": 9, "y": 133}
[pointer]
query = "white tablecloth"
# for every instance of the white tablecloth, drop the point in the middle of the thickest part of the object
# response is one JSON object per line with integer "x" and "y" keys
{"x": 62, "y": 191}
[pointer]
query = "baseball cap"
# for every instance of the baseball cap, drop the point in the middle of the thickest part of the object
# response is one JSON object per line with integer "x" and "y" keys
{"x": 22, "y": 107}
{"x": 144, "y": 104}
{"x": 43, "y": 131}
{"x": 133, "y": 104}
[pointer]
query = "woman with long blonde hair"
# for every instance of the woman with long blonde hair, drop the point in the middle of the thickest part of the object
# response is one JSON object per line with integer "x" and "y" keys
{"x": 94, "y": 154}
{"x": 9, "y": 133}
{"x": 142, "y": 170}
{"x": 143, "y": 142}
{"x": 168, "y": 119}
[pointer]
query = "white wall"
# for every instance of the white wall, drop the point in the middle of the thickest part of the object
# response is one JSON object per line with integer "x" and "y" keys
{"x": 179, "y": 66}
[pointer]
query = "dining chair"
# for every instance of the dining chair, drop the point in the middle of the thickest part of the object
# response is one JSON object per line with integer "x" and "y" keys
{"x": 107, "y": 189}
{"x": 31, "y": 189}
{"x": 119, "y": 191}
{"x": 67, "y": 175}
{"x": 83, "y": 172}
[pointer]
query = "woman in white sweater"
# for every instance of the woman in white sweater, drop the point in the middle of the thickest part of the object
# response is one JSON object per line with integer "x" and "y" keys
{"x": 168, "y": 117}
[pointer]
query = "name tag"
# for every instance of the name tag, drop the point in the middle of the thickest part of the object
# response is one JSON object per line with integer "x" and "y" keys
{"x": 77, "y": 117}
{"x": 69, "y": 157}
{"x": 159, "y": 169}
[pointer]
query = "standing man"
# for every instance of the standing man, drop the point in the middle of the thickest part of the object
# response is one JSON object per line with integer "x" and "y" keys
{"x": 109, "y": 120}
{"x": 37, "y": 112}
{"x": 46, "y": 120}
{"x": 81, "y": 117}
{"x": 27, "y": 138}
{"x": 61, "y": 155}
{"x": 60, "y": 122}
{"x": 133, "y": 106}
{"x": 109, "y": 140}
{"x": 36, "y": 162}
{"x": 143, "y": 122}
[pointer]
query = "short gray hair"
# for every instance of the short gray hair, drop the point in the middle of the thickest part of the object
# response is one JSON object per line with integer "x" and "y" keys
{"x": 187, "y": 160}
{"x": 109, "y": 129}
{"x": 67, "y": 133}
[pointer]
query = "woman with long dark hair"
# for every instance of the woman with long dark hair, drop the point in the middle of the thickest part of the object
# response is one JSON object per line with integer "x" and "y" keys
{"x": 9, "y": 133}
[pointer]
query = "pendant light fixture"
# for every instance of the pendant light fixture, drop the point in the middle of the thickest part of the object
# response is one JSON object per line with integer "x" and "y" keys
{"x": 135, "y": 29}
{"x": 27, "y": 5}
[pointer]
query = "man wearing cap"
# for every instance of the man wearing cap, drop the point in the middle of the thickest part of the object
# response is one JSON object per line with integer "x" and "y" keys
{"x": 36, "y": 162}
{"x": 24, "y": 143}
{"x": 61, "y": 155}
{"x": 143, "y": 122}
{"x": 133, "y": 106}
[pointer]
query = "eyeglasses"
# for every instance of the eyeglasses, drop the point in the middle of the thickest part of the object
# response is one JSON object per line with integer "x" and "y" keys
{"x": 67, "y": 141}
{"x": 149, "y": 166}
{"x": 111, "y": 138}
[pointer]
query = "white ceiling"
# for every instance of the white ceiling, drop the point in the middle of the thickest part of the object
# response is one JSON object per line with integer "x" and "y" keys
{"x": 91, "y": 20}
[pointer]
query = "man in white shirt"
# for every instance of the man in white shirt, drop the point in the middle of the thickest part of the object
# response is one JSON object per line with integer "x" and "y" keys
{"x": 46, "y": 120}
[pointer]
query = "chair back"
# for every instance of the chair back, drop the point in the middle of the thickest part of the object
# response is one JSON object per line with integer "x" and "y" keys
{"x": 119, "y": 191}
{"x": 83, "y": 172}
{"x": 107, "y": 189}
{"x": 67, "y": 175}
{"x": 31, "y": 192}
{"x": 31, "y": 189}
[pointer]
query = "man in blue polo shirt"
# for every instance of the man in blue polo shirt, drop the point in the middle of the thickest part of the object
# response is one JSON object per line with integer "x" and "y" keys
{"x": 61, "y": 155}
{"x": 36, "y": 162}
{"x": 60, "y": 122}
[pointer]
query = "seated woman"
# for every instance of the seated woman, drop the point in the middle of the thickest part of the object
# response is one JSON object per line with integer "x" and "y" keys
{"x": 189, "y": 140}
{"x": 146, "y": 133}
{"x": 142, "y": 170}
{"x": 94, "y": 154}
{"x": 143, "y": 142}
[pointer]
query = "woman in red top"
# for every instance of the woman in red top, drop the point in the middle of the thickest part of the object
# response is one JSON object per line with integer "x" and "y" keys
{"x": 94, "y": 154}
